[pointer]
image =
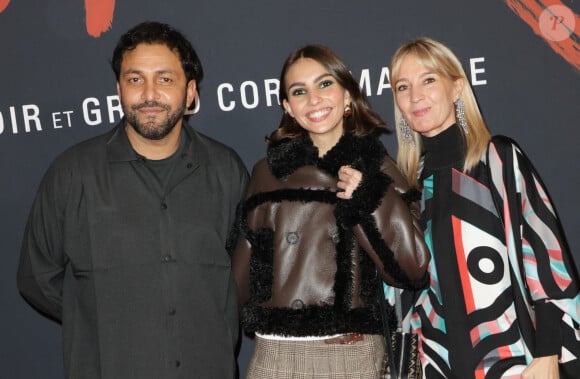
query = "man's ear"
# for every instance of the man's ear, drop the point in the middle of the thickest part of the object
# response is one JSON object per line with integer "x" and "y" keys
{"x": 191, "y": 93}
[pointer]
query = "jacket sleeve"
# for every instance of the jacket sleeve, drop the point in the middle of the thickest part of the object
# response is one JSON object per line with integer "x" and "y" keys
{"x": 540, "y": 258}
{"x": 541, "y": 252}
{"x": 387, "y": 228}
{"x": 242, "y": 248}
{"x": 42, "y": 259}
{"x": 241, "y": 268}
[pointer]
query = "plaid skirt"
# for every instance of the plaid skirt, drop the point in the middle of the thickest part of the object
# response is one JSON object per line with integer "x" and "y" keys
{"x": 282, "y": 359}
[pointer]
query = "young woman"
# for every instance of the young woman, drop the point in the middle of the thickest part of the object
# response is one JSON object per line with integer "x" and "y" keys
{"x": 325, "y": 211}
{"x": 503, "y": 299}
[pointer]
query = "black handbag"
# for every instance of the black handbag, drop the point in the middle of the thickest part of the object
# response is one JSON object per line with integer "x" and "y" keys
{"x": 401, "y": 348}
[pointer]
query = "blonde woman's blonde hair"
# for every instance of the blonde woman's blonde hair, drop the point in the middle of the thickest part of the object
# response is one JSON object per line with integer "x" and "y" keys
{"x": 440, "y": 59}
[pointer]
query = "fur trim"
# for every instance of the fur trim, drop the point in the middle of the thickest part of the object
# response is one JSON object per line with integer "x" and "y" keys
{"x": 235, "y": 231}
{"x": 366, "y": 154}
{"x": 388, "y": 257}
{"x": 309, "y": 321}
{"x": 261, "y": 265}
{"x": 343, "y": 279}
{"x": 278, "y": 196}
{"x": 290, "y": 154}
{"x": 365, "y": 199}
{"x": 411, "y": 196}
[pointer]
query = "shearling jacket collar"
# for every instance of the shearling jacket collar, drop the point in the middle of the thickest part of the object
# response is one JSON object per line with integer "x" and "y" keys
{"x": 363, "y": 153}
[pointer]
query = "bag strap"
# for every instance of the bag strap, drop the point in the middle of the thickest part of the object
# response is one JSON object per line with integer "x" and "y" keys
{"x": 399, "y": 310}
{"x": 386, "y": 330}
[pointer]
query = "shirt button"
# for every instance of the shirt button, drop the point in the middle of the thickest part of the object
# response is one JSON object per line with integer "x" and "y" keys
{"x": 189, "y": 165}
{"x": 297, "y": 304}
{"x": 163, "y": 206}
{"x": 335, "y": 238}
{"x": 171, "y": 311}
{"x": 177, "y": 363}
{"x": 292, "y": 238}
{"x": 167, "y": 258}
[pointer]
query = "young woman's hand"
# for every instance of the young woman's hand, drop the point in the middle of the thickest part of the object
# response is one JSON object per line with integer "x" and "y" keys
{"x": 348, "y": 181}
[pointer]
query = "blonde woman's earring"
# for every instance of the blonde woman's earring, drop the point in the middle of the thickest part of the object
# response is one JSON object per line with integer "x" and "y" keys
{"x": 405, "y": 131}
{"x": 460, "y": 115}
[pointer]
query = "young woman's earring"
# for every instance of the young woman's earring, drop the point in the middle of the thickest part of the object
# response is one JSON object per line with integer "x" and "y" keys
{"x": 347, "y": 111}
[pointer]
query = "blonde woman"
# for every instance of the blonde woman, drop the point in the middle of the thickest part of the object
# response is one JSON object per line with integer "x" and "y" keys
{"x": 499, "y": 255}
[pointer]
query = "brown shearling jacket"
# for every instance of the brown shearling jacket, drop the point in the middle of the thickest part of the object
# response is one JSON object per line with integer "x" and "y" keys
{"x": 306, "y": 261}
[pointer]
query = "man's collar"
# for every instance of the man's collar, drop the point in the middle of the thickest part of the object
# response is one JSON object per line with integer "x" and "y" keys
{"x": 119, "y": 147}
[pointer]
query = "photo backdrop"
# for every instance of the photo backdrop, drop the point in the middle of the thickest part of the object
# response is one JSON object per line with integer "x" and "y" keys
{"x": 57, "y": 88}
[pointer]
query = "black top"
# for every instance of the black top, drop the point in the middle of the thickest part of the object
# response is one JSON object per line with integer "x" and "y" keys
{"x": 472, "y": 286}
{"x": 137, "y": 273}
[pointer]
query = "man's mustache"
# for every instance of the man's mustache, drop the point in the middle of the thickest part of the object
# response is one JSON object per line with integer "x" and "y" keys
{"x": 150, "y": 104}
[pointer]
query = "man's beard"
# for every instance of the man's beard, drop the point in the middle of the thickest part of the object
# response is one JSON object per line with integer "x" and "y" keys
{"x": 152, "y": 128}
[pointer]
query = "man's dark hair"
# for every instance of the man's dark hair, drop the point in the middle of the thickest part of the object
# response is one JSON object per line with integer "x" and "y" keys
{"x": 151, "y": 32}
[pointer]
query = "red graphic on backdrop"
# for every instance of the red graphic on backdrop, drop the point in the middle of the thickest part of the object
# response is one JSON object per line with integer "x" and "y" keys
{"x": 554, "y": 22}
{"x": 549, "y": 19}
{"x": 99, "y": 15}
{"x": 3, "y": 5}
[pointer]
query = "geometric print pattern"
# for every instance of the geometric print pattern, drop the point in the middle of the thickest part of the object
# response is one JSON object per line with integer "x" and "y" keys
{"x": 480, "y": 256}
